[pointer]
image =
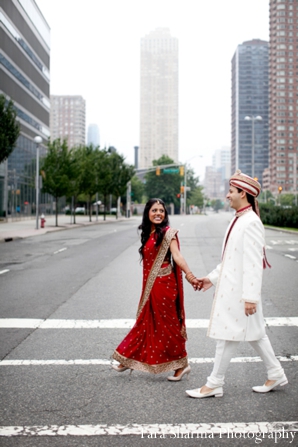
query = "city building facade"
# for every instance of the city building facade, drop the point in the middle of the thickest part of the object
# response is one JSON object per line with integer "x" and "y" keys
{"x": 25, "y": 79}
{"x": 93, "y": 135}
{"x": 159, "y": 97}
{"x": 283, "y": 83}
{"x": 250, "y": 108}
{"x": 68, "y": 119}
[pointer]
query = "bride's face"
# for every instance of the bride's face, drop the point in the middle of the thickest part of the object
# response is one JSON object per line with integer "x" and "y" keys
{"x": 156, "y": 213}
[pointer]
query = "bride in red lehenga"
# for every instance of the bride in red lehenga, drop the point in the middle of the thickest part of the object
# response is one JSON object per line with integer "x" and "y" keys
{"x": 156, "y": 343}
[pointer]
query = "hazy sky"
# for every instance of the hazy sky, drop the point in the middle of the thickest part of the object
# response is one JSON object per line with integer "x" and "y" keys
{"x": 95, "y": 52}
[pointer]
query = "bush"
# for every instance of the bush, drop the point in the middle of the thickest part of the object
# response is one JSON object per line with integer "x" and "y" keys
{"x": 278, "y": 216}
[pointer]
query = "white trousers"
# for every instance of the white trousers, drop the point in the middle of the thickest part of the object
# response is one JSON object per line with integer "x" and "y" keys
{"x": 225, "y": 351}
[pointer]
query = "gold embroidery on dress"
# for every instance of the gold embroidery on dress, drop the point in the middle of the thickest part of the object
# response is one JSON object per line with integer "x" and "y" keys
{"x": 165, "y": 271}
{"x": 156, "y": 267}
{"x": 145, "y": 367}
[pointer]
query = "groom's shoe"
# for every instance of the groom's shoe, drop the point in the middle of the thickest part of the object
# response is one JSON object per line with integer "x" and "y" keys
{"x": 217, "y": 392}
{"x": 264, "y": 389}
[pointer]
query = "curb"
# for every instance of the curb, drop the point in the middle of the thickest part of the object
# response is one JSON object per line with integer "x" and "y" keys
{"x": 281, "y": 230}
{"x": 63, "y": 228}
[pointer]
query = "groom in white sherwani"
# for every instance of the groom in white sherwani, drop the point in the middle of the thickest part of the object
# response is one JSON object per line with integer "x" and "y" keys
{"x": 237, "y": 307}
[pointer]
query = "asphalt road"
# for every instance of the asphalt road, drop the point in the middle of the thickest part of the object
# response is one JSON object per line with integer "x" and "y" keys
{"x": 70, "y": 296}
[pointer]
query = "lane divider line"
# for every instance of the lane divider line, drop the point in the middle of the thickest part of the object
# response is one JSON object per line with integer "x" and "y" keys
{"x": 4, "y": 271}
{"x": 264, "y": 430}
{"x": 59, "y": 251}
{"x": 106, "y": 362}
{"x": 34, "y": 323}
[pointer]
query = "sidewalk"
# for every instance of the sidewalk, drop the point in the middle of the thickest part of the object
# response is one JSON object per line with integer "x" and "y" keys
{"x": 26, "y": 228}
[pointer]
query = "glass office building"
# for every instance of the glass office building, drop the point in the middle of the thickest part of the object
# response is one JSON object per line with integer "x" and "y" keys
{"x": 25, "y": 78}
{"x": 250, "y": 99}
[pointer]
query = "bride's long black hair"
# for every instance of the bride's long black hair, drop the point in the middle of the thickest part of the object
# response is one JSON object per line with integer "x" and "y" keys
{"x": 146, "y": 225}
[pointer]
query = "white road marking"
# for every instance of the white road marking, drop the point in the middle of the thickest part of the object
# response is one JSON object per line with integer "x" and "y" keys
{"x": 293, "y": 249}
{"x": 4, "y": 271}
{"x": 290, "y": 256}
{"x": 264, "y": 430}
{"x": 59, "y": 251}
{"x": 268, "y": 247}
{"x": 276, "y": 242}
{"x": 32, "y": 323}
{"x": 106, "y": 362}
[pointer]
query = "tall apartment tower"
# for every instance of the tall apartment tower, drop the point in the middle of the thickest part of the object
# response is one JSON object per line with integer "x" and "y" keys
{"x": 25, "y": 79}
{"x": 283, "y": 82}
{"x": 93, "y": 135}
{"x": 68, "y": 119}
{"x": 159, "y": 97}
{"x": 250, "y": 108}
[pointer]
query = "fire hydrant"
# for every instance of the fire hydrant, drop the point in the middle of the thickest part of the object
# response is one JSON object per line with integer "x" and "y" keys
{"x": 42, "y": 221}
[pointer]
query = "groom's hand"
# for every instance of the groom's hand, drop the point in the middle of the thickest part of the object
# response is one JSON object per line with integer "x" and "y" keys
{"x": 205, "y": 284}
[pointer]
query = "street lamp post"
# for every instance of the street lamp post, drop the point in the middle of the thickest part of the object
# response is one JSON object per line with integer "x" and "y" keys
{"x": 253, "y": 119}
{"x": 37, "y": 140}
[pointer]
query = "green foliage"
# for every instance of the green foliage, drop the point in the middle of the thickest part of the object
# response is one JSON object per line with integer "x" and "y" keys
{"x": 56, "y": 169}
{"x": 278, "y": 216}
{"x": 163, "y": 186}
{"x": 196, "y": 197}
{"x": 9, "y": 128}
{"x": 137, "y": 189}
{"x": 265, "y": 196}
{"x": 287, "y": 199}
{"x": 122, "y": 173}
{"x": 217, "y": 204}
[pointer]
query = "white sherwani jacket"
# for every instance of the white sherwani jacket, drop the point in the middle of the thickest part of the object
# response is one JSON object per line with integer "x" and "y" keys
{"x": 238, "y": 279}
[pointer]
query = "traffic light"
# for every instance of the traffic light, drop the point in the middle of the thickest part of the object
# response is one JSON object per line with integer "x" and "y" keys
{"x": 181, "y": 169}
{"x": 279, "y": 189}
{"x": 178, "y": 196}
{"x": 182, "y": 189}
{"x": 157, "y": 172}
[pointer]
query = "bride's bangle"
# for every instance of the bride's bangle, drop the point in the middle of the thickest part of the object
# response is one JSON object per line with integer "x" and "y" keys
{"x": 189, "y": 277}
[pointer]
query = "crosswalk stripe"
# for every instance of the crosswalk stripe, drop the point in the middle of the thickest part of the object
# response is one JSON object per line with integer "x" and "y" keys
{"x": 32, "y": 323}
{"x": 90, "y": 362}
{"x": 249, "y": 430}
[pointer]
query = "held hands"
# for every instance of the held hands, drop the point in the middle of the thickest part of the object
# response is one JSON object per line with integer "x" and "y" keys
{"x": 205, "y": 284}
{"x": 198, "y": 283}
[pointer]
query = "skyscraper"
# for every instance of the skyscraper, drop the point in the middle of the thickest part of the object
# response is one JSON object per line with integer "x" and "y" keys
{"x": 93, "y": 135}
{"x": 68, "y": 119}
{"x": 159, "y": 97}
{"x": 250, "y": 108}
{"x": 283, "y": 127}
{"x": 25, "y": 78}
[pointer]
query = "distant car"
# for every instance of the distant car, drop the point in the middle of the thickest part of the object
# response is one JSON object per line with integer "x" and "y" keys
{"x": 80, "y": 210}
{"x": 113, "y": 210}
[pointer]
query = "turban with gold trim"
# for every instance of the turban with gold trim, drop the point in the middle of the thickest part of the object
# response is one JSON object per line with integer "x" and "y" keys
{"x": 246, "y": 183}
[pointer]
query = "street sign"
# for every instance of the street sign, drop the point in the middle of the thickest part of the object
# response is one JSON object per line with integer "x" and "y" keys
{"x": 170, "y": 170}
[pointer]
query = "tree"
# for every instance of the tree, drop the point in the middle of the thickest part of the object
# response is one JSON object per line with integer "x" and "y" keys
{"x": 9, "y": 128}
{"x": 56, "y": 168}
{"x": 217, "y": 204}
{"x": 122, "y": 173}
{"x": 137, "y": 189}
{"x": 164, "y": 186}
{"x": 287, "y": 199}
{"x": 88, "y": 178}
{"x": 196, "y": 197}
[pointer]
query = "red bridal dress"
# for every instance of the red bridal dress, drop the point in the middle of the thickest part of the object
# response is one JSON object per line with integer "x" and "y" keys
{"x": 156, "y": 343}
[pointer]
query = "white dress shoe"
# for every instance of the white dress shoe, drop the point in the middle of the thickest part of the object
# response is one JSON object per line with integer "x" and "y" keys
{"x": 264, "y": 389}
{"x": 120, "y": 369}
{"x": 217, "y": 392}
{"x": 186, "y": 370}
